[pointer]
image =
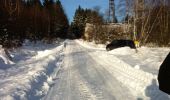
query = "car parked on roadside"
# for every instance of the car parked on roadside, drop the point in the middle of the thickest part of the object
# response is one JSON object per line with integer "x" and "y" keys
{"x": 120, "y": 43}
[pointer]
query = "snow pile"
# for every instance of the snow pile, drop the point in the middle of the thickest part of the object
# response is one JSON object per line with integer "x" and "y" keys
{"x": 123, "y": 51}
{"x": 137, "y": 67}
{"x": 32, "y": 75}
{"x": 5, "y": 57}
{"x": 135, "y": 79}
{"x": 147, "y": 59}
{"x": 141, "y": 83}
{"x": 138, "y": 71}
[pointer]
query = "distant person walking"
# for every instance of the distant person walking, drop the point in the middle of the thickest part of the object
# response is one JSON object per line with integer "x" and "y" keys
{"x": 164, "y": 75}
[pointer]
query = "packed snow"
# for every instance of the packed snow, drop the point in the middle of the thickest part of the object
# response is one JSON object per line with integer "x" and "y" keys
{"x": 148, "y": 59}
{"x": 79, "y": 70}
{"x": 5, "y": 57}
{"x": 136, "y": 70}
{"x": 32, "y": 71}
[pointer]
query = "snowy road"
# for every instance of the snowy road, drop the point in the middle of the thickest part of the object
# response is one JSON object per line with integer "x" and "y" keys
{"x": 81, "y": 71}
{"x": 82, "y": 78}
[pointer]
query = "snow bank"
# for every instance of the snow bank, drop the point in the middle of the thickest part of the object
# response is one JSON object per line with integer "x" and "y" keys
{"x": 137, "y": 71}
{"x": 123, "y": 51}
{"x": 139, "y": 82}
{"x": 34, "y": 72}
{"x": 146, "y": 59}
{"x": 129, "y": 76}
{"x": 5, "y": 57}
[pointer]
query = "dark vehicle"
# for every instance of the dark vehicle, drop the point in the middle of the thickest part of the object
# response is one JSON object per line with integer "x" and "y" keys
{"x": 164, "y": 75}
{"x": 120, "y": 43}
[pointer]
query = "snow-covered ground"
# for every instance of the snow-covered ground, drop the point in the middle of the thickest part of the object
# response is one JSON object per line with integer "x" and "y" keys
{"x": 137, "y": 70}
{"x": 81, "y": 71}
{"x": 31, "y": 71}
{"x": 147, "y": 59}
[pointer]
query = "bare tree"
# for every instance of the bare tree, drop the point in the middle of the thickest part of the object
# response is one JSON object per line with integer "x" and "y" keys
{"x": 150, "y": 20}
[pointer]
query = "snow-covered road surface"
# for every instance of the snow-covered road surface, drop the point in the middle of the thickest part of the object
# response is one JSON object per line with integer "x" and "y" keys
{"x": 81, "y": 71}
{"x": 82, "y": 78}
{"x": 89, "y": 74}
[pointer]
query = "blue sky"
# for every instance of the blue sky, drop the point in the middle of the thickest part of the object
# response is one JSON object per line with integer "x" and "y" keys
{"x": 71, "y": 5}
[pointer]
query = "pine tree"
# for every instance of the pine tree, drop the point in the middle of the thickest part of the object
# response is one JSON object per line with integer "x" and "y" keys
{"x": 61, "y": 22}
{"x": 58, "y": 22}
{"x": 20, "y": 19}
{"x": 79, "y": 22}
{"x": 83, "y": 16}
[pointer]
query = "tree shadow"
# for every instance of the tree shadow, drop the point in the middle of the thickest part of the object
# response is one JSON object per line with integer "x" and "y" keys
{"x": 154, "y": 93}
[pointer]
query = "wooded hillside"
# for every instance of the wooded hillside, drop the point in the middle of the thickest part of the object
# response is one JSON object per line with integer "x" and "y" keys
{"x": 31, "y": 19}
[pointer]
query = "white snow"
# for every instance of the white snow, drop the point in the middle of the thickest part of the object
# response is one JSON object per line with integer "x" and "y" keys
{"x": 4, "y": 58}
{"x": 147, "y": 59}
{"x": 138, "y": 71}
{"x": 82, "y": 70}
{"x": 33, "y": 70}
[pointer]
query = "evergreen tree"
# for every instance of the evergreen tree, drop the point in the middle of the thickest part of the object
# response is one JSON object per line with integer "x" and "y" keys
{"x": 81, "y": 17}
{"x": 62, "y": 25}
{"x": 20, "y": 19}
{"x": 79, "y": 22}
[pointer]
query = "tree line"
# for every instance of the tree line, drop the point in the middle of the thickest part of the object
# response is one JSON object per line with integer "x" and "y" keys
{"x": 150, "y": 20}
{"x": 81, "y": 17}
{"x": 31, "y": 19}
{"x": 91, "y": 25}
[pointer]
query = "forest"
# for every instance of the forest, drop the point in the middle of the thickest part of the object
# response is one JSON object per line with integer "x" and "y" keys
{"x": 31, "y": 19}
{"x": 148, "y": 22}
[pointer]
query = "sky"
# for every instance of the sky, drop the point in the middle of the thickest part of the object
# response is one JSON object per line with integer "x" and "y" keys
{"x": 71, "y": 5}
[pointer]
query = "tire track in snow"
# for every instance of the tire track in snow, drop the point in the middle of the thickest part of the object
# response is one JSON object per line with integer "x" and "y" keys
{"x": 97, "y": 90}
{"x": 136, "y": 80}
{"x": 82, "y": 78}
{"x": 114, "y": 84}
{"x": 126, "y": 74}
{"x": 85, "y": 91}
